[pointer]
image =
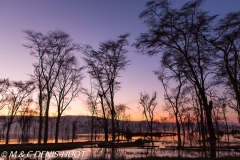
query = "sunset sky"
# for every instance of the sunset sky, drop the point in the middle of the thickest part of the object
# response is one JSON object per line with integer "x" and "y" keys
{"x": 87, "y": 22}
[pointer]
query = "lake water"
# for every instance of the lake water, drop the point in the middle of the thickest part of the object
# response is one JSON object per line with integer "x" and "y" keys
{"x": 161, "y": 148}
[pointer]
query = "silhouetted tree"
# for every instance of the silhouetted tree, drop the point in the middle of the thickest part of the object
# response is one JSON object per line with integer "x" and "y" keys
{"x": 175, "y": 97}
{"x": 148, "y": 105}
{"x": 224, "y": 110}
{"x": 18, "y": 95}
{"x": 74, "y": 128}
{"x": 200, "y": 115}
{"x": 50, "y": 49}
{"x": 176, "y": 34}
{"x": 91, "y": 104}
{"x": 226, "y": 40}
{"x": 105, "y": 115}
{"x": 3, "y": 120}
{"x": 67, "y": 86}
{"x": 105, "y": 66}
{"x": 25, "y": 120}
{"x": 4, "y": 85}
{"x": 120, "y": 117}
{"x": 42, "y": 97}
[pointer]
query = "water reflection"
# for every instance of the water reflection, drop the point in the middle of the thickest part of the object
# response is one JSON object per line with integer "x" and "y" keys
{"x": 134, "y": 152}
{"x": 161, "y": 146}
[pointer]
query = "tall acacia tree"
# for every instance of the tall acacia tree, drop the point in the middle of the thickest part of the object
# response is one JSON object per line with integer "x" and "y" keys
{"x": 105, "y": 66}
{"x": 148, "y": 105}
{"x": 42, "y": 97}
{"x": 226, "y": 41}
{"x": 120, "y": 117}
{"x": 51, "y": 50}
{"x": 67, "y": 87}
{"x": 176, "y": 33}
{"x": 175, "y": 97}
{"x": 18, "y": 95}
{"x": 25, "y": 121}
{"x": 96, "y": 73}
{"x": 92, "y": 104}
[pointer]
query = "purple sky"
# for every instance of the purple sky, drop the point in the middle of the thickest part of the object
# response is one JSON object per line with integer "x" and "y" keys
{"x": 87, "y": 22}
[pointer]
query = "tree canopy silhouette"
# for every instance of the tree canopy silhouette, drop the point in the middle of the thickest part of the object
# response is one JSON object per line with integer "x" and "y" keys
{"x": 53, "y": 51}
{"x": 105, "y": 66}
{"x": 176, "y": 33}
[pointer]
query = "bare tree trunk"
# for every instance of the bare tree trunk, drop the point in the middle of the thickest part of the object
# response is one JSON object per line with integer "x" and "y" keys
{"x": 57, "y": 128}
{"x": 118, "y": 128}
{"x": 40, "y": 103}
{"x": 113, "y": 113}
{"x": 203, "y": 131}
{"x": 178, "y": 132}
{"x": 40, "y": 127}
{"x": 92, "y": 128}
{"x": 40, "y": 122}
{"x": 226, "y": 123}
{"x": 183, "y": 128}
{"x": 7, "y": 133}
{"x": 104, "y": 119}
{"x": 151, "y": 129}
{"x": 46, "y": 122}
{"x": 211, "y": 130}
{"x": 113, "y": 127}
{"x": 74, "y": 130}
{"x": 106, "y": 130}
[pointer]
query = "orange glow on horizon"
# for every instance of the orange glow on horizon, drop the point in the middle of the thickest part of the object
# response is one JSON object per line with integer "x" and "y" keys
{"x": 131, "y": 114}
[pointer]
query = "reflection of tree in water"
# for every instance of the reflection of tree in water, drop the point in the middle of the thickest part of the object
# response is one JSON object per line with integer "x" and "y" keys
{"x": 122, "y": 153}
{"x": 107, "y": 153}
